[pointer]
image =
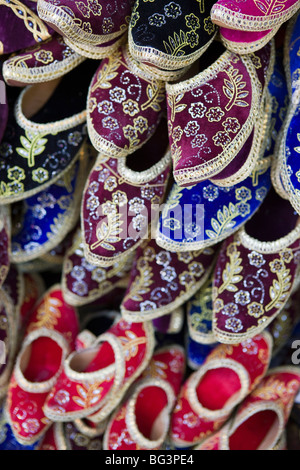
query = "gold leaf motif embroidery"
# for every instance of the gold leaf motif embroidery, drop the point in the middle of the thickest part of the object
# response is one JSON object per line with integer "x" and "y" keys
{"x": 130, "y": 344}
{"x": 48, "y": 314}
{"x": 230, "y": 275}
{"x": 88, "y": 395}
{"x": 108, "y": 232}
{"x": 234, "y": 89}
{"x": 32, "y": 146}
{"x": 224, "y": 221}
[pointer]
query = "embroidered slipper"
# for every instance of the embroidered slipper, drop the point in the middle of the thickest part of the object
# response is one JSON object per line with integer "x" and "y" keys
{"x": 255, "y": 272}
{"x": 162, "y": 281}
{"x": 207, "y": 129}
{"x": 23, "y": 18}
{"x": 246, "y": 42}
{"x": 8, "y": 340}
{"x": 41, "y": 63}
{"x": 170, "y": 36}
{"x": 84, "y": 283}
{"x": 67, "y": 436}
{"x": 125, "y": 105}
{"x": 205, "y": 214}
{"x": 280, "y": 101}
{"x": 254, "y": 149}
{"x": 95, "y": 27}
{"x": 94, "y": 379}
{"x": 142, "y": 421}
{"x": 197, "y": 353}
{"x": 120, "y": 199}
{"x": 252, "y": 16}
{"x": 210, "y": 394}
{"x": 42, "y": 142}
{"x": 53, "y": 327}
{"x": 261, "y": 418}
{"x": 286, "y": 167}
{"x": 45, "y": 219}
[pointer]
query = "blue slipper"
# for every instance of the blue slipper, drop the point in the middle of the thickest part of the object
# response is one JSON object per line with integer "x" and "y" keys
{"x": 202, "y": 215}
{"x": 42, "y": 221}
{"x": 287, "y": 167}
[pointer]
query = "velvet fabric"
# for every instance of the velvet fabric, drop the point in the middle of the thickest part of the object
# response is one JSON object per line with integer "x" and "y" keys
{"x": 170, "y": 35}
{"x": 167, "y": 365}
{"x": 161, "y": 281}
{"x": 124, "y": 106}
{"x": 83, "y": 282}
{"x": 189, "y": 426}
{"x": 204, "y": 214}
{"x": 34, "y": 154}
{"x": 255, "y": 425}
{"x": 207, "y": 129}
{"x": 44, "y": 61}
{"x": 76, "y": 388}
{"x": 51, "y": 314}
{"x": 23, "y": 18}
{"x": 261, "y": 275}
{"x": 42, "y": 221}
{"x": 121, "y": 200}
{"x": 96, "y": 19}
{"x": 252, "y": 15}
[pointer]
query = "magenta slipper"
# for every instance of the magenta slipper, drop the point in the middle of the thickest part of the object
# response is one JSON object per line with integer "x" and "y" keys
{"x": 212, "y": 114}
{"x": 118, "y": 199}
{"x": 41, "y": 63}
{"x": 256, "y": 271}
{"x": 253, "y": 15}
{"x": 93, "y": 28}
{"x": 162, "y": 281}
{"x": 125, "y": 105}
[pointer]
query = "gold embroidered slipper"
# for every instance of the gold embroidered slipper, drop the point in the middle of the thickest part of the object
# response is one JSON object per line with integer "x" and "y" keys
{"x": 42, "y": 221}
{"x": 246, "y": 42}
{"x": 162, "y": 281}
{"x": 170, "y": 36}
{"x": 253, "y": 15}
{"x": 52, "y": 328}
{"x": 41, "y": 63}
{"x": 93, "y": 28}
{"x": 125, "y": 105}
{"x": 83, "y": 282}
{"x": 260, "y": 420}
{"x": 209, "y": 396}
{"x": 212, "y": 114}
{"x": 94, "y": 379}
{"x": 142, "y": 421}
{"x": 45, "y": 133}
{"x": 256, "y": 271}
{"x": 120, "y": 197}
